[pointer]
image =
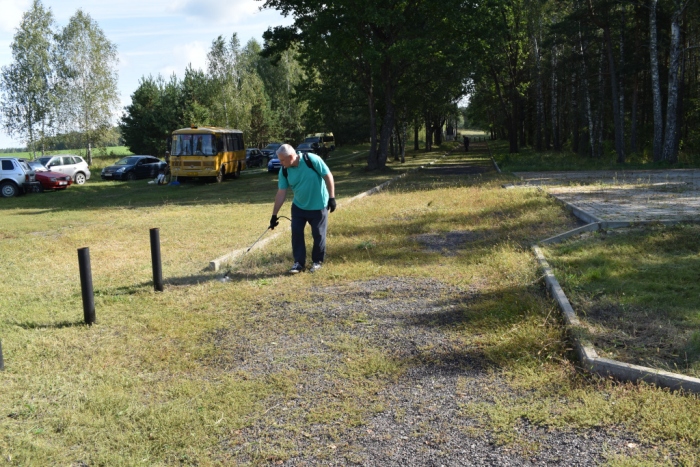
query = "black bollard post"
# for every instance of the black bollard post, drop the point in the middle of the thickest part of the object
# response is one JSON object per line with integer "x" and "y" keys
{"x": 2, "y": 361}
{"x": 155, "y": 259}
{"x": 86, "y": 285}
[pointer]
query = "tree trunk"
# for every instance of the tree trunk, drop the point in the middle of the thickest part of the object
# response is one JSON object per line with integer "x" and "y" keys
{"x": 511, "y": 114}
{"x": 438, "y": 131}
{"x": 554, "y": 115}
{"x": 372, "y": 162}
{"x": 621, "y": 84}
{"x": 635, "y": 102}
{"x": 601, "y": 97}
{"x": 575, "y": 134}
{"x": 513, "y": 124}
{"x": 619, "y": 136}
{"x": 671, "y": 131}
{"x": 655, "y": 83}
{"x": 539, "y": 100}
{"x": 387, "y": 126}
{"x": 634, "y": 136}
{"x": 586, "y": 96}
{"x": 403, "y": 141}
{"x": 428, "y": 135}
{"x": 416, "y": 147}
{"x": 521, "y": 126}
{"x": 679, "y": 117}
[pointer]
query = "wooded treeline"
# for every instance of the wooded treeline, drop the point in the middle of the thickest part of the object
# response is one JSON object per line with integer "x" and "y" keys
{"x": 239, "y": 89}
{"x": 594, "y": 77}
{"x": 391, "y": 66}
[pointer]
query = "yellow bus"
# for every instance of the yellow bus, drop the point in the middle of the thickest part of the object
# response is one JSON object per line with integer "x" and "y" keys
{"x": 207, "y": 152}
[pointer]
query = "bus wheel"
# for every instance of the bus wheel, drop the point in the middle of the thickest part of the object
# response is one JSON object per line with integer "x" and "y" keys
{"x": 237, "y": 173}
{"x": 220, "y": 176}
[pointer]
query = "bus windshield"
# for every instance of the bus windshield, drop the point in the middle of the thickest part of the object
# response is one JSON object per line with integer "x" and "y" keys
{"x": 194, "y": 145}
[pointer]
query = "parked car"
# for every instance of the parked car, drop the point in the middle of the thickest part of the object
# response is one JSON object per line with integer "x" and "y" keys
{"x": 274, "y": 165}
{"x": 308, "y": 147}
{"x": 323, "y": 143}
{"x": 48, "y": 179}
{"x": 270, "y": 150}
{"x": 253, "y": 157}
{"x": 73, "y": 166}
{"x": 133, "y": 168}
{"x": 16, "y": 177}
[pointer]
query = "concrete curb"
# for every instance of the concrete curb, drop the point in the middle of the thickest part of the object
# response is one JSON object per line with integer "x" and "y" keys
{"x": 584, "y": 349}
{"x": 493, "y": 160}
{"x": 589, "y": 357}
{"x": 215, "y": 264}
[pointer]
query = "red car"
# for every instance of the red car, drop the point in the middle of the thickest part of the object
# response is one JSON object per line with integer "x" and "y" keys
{"x": 50, "y": 180}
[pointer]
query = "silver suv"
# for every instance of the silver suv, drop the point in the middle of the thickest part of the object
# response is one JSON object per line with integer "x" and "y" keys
{"x": 73, "y": 166}
{"x": 16, "y": 177}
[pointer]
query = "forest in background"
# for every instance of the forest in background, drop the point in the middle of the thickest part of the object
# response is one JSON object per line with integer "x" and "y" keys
{"x": 597, "y": 78}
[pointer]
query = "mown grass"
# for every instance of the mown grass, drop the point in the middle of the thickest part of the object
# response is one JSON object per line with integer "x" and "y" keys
{"x": 638, "y": 292}
{"x": 530, "y": 160}
{"x": 185, "y": 376}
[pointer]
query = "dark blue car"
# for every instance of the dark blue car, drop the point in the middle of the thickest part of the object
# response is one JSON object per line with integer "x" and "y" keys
{"x": 133, "y": 168}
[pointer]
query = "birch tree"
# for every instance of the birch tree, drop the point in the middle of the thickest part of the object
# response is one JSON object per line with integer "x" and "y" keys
{"x": 670, "y": 151}
{"x": 28, "y": 84}
{"x": 655, "y": 82}
{"x": 90, "y": 75}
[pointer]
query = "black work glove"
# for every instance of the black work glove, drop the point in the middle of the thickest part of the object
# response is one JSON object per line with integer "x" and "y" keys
{"x": 274, "y": 222}
{"x": 331, "y": 204}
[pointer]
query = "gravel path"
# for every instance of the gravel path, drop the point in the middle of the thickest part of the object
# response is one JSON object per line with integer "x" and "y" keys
{"x": 420, "y": 423}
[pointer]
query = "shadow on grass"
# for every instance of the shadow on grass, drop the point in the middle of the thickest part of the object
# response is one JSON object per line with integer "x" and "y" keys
{"x": 58, "y": 325}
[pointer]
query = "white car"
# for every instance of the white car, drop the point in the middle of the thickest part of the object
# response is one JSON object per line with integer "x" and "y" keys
{"x": 73, "y": 166}
{"x": 16, "y": 177}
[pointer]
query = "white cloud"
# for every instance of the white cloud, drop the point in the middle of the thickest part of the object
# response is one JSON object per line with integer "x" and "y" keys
{"x": 220, "y": 11}
{"x": 192, "y": 53}
{"x": 11, "y": 16}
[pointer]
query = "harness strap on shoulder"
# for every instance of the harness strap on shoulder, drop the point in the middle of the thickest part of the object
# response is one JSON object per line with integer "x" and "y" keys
{"x": 309, "y": 164}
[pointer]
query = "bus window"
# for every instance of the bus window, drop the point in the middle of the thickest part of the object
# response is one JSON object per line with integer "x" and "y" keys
{"x": 188, "y": 145}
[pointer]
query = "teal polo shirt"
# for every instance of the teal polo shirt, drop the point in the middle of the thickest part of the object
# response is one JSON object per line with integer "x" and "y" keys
{"x": 310, "y": 192}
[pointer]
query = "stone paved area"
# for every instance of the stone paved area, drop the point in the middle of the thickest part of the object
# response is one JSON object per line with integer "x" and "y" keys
{"x": 635, "y": 195}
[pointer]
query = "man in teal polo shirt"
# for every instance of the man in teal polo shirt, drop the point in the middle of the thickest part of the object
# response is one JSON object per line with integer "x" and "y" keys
{"x": 314, "y": 196}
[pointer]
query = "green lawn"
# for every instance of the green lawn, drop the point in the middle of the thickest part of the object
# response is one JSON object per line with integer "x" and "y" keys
{"x": 530, "y": 160}
{"x": 199, "y": 374}
{"x": 637, "y": 291}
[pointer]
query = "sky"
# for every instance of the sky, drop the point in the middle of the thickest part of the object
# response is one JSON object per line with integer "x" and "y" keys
{"x": 152, "y": 36}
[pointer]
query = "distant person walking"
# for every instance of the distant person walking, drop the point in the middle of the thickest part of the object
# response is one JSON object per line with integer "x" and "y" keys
{"x": 314, "y": 196}
{"x": 466, "y": 143}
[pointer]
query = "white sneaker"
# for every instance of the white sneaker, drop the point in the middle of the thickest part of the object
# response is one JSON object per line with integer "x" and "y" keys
{"x": 315, "y": 267}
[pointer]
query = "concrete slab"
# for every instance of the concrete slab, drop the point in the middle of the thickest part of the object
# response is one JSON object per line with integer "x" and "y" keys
{"x": 608, "y": 200}
{"x": 631, "y": 196}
